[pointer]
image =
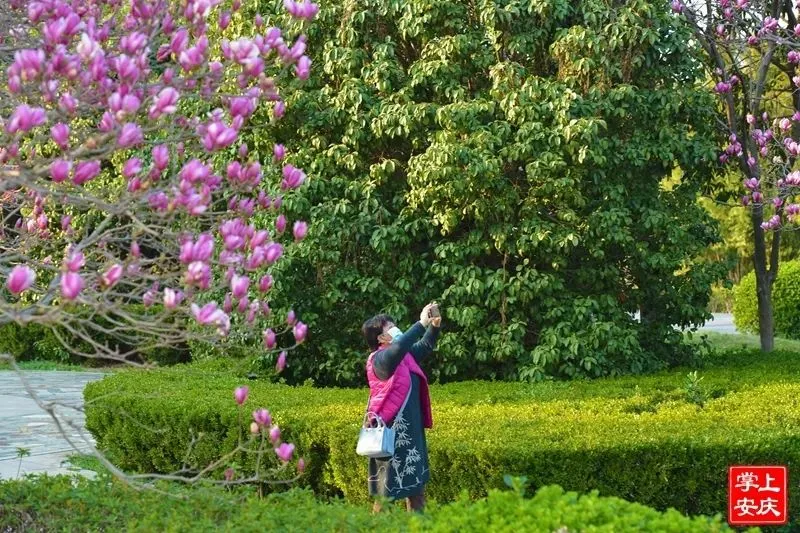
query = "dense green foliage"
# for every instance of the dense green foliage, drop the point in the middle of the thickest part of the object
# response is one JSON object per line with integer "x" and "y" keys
{"x": 785, "y": 301}
{"x": 506, "y": 158}
{"x": 63, "y": 345}
{"x": 33, "y": 342}
{"x": 61, "y": 504}
{"x": 656, "y": 440}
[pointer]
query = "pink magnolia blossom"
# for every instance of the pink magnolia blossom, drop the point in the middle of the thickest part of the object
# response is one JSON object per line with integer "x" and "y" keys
{"x": 60, "y": 134}
{"x": 244, "y": 302}
{"x": 279, "y": 110}
{"x": 300, "y": 230}
{"x": 25, "y": 118}
{"x": 74, "y": 262}
{"x": 262, "y": 417}
{"x": 218, "y": 136}
{"x": 133, "y": 43}
{"x": 253, "y": 311}
{"x": 112, "y": 276}
{"x": 265, "y": 284}
{"x": 161, "y": 156}
{"x": 278, "y": 152}
{"x": 242, "y": 106}
{"x": 255, "y": 429}
{"x": 275, "y": 434}
{"x": 772, "y": 223}
{"x": 59, "y": 170}
{"x": 172, "y": 298}
{"x": 227, "y": 303}
{"x": 149, "y": 298}
{"x": 273, "y": 253}
{"x": 281, "y": 363}
{"x": 239, "y": 286}
{"x": 280, "y": 224}
{"x": 199, "y": 250}
{"x": 123, "y": 105}
{"x": 198, "y": 273}
{"x": 28, "y": 63}
{"x": 131, "y": 135}
{"x": 284, "y": 452}
{"x": 132, "y": 167}
{"x": 20, "y": 279}
{"x": 224, "y": 20}
{"x": 85, "y": 171}
{"x": 71, "y": 285}
{"x": 166, "y": 103}
{"x": 292, "y": 177}
{"x": 301, "y": 10}
{"x": 303, "y": 68}
{"x": 269, "y": 339}
{"x": 240, "y": 394}
{"x": 300, "y": 332}
{"x": 769, "y": 25}
{"x": 259, "y": 238}
{"x": 210, "y": 314}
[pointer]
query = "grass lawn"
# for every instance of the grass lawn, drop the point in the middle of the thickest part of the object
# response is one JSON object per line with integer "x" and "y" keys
{"x": 725, "y": 341}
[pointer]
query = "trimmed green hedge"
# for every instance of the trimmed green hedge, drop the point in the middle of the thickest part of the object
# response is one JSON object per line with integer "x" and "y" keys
{"x": 59, "y": 503}
{"x": 785, "y": 302}
{"x": 637, "y": 438}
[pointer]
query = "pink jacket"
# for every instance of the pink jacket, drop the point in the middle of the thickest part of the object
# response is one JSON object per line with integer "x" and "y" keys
{"x": 387, "y": 397}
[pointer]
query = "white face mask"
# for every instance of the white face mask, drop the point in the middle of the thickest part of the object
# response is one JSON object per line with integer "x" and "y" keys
{"x": 394, "y": 332}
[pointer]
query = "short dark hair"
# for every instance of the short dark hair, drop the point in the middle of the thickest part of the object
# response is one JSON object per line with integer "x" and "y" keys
{"x": 372, "y": 329}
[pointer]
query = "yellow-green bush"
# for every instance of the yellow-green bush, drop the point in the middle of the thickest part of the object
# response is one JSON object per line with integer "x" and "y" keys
{"x": 61, "y": 504}
{"x": 636, "y": 438}
{"x": 785, "y": 302}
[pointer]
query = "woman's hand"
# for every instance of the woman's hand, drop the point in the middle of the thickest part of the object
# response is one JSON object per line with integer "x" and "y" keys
{"x": 424, "y": 316}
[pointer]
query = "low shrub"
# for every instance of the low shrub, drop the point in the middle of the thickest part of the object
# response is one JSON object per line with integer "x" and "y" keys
{"x": 636, "y": 438}
{"x": 785, "y": 302}
{"x": 65, "y": 504}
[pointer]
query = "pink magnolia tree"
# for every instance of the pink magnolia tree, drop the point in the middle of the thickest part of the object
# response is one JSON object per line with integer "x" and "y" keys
{"x": 124, "y": 117}
{"x": 753, "y": 51}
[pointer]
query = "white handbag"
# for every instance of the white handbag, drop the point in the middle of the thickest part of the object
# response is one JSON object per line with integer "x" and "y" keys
{"x": 377, "y": 442}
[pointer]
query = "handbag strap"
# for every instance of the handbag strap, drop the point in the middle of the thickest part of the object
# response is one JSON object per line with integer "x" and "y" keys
{"x": 402, "y": 408}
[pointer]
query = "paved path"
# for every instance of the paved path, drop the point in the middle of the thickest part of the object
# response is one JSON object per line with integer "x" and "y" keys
{"x": 24, "y": 424}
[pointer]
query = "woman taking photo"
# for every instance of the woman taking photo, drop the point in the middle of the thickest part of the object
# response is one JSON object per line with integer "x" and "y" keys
{"x": 398, "y": 393}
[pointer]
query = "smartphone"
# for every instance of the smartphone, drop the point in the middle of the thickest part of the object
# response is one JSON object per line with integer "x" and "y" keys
{"x": 433, "y": 312}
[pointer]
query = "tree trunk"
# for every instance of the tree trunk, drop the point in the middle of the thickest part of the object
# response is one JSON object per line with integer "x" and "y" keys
{"x": 766, "y": 322}
{"x": 764, "y": 278}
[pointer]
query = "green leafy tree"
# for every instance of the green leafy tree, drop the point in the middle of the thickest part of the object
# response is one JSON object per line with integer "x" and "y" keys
{"x": 510, "y": 159}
